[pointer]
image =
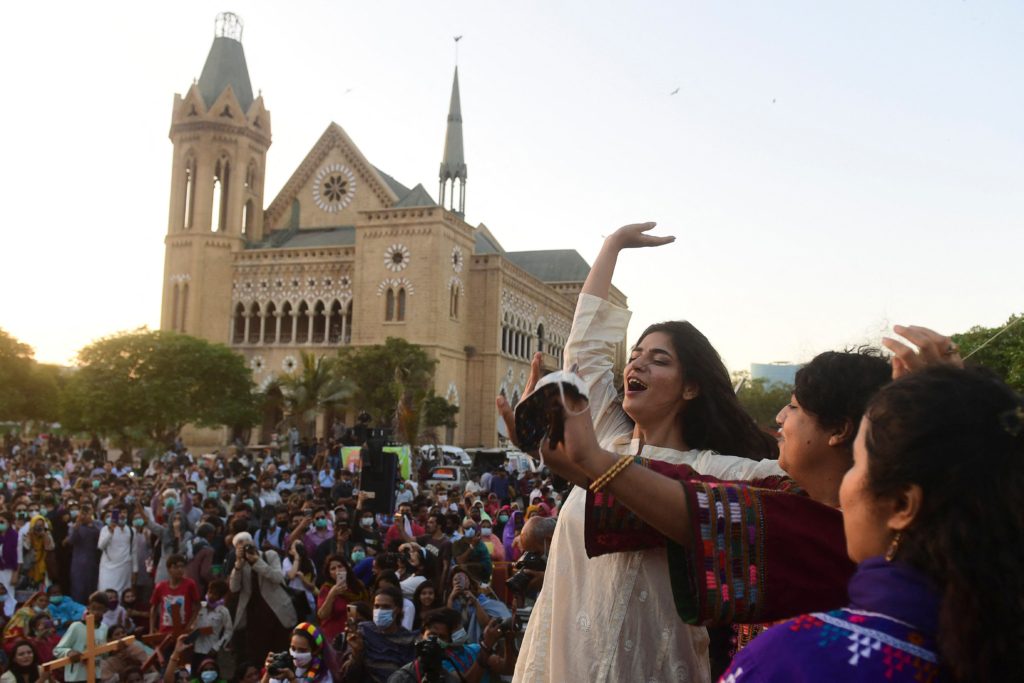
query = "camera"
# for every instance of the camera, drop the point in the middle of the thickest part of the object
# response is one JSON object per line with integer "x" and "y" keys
{"x": 540, "y": 414}
{"x": 430, "y": 654}
{"x": 279, "y": 662}
{"x": 518, "y": 582}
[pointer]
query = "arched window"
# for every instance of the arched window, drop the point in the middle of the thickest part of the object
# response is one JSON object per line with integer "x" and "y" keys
{"x": 319, "y": 322}
{"x": 453, "y": 301}
{"x": 400, "y": 313}
{"x": 174, "y": 308}
{"x": 190, "y": 193}
{"x": 287, "y": 323}
{"x": 335, "y": 323}
{"x": 270, "y": 324}
{"x": 346, "y": 325}
{"x": 250, "y": 177}
{"x": 302, "y": 324}
{"x": 389, "y": 305}
{"x": 221, "y": 184}
{"x": 238, "y": 335}
{"x": 248, "y": 218}
{"x": 540, "y": 337}
{"x": 184, "y": 308}
{"x": 255, "y": 319}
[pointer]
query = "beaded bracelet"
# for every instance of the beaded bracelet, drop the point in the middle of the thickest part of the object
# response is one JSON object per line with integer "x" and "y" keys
{"x": 614, "y": 471}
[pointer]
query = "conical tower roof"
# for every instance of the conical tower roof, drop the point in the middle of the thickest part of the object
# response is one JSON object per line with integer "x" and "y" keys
{"x": 453, "y": 165}
{"x": 225, "y": 66}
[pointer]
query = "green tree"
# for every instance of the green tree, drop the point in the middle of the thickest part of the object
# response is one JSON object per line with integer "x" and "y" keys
{"x": 763, "y": 400}
{"x": 144, "y": 386}
{"x": 437, "y": 412}
{"x": 1004, "y": 354}
{"x": 314, "y": 389}
{"x": 28, "y": 390}
{"x": 391, "y": 382}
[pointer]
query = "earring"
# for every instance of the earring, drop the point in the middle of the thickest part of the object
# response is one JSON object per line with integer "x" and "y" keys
{"x": 894, "y": 547}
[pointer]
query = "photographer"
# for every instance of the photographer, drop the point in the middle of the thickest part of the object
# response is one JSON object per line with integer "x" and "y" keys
{"x": 476, "y": 609}
{"x": 378, "y": 648}
{"x": 535, "y": 539}
{"x": 256, "y": 578}
{"x": 308, "y": 658}
{"x": 438, "y": 660}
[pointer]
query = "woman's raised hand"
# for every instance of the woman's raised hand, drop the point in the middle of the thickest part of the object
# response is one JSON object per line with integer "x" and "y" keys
{"x": 932, "y": 349}
{"x": 635, "y": 235}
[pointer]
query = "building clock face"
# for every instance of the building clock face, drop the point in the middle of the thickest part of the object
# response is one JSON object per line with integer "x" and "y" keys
{"x": 334, "y": 187}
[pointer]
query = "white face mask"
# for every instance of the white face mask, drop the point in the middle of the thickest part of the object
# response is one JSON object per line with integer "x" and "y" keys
{"x": 302, "y": 659}
{"x": 459, "y": 637}
{"x": 485, "y": 531}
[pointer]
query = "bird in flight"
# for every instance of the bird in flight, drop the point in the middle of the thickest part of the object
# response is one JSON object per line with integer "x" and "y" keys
{"x": 458, "y": 38}
{"x": 674, "y": 92}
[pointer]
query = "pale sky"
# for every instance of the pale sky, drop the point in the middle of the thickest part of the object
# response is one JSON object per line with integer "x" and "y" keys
{"x": 829, "y": 168}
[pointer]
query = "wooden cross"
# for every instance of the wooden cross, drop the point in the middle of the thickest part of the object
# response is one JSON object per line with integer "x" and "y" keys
{"x": 90, "y": 655}
{"x": 159, "y": 640}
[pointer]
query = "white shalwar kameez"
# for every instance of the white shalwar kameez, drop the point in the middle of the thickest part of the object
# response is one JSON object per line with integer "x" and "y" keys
{"x": 612, "y": 618}
{"x": 117, "y": 558}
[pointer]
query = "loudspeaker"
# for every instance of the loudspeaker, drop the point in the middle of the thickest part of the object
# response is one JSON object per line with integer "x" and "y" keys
{"x": 379, "y": 475}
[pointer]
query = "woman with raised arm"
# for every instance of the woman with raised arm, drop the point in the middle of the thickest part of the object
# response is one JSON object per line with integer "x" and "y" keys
{"x": 607, "y": 619}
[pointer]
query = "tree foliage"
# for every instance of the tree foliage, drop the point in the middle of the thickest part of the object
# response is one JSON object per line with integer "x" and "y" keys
{"x": 763, "y": 400}
{"x": 144, "y": 386}
{"x": 28, "y": 390}
{"x": 314, "y": 389}
{"x": 1004, "y": 355}
{"x": 385, "y": 375}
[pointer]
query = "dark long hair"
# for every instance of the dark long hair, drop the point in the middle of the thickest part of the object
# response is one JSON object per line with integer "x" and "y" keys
{"x": 24, "y": 674}
{"x": 959, "y": 435}
{"x": 714, "y": 420}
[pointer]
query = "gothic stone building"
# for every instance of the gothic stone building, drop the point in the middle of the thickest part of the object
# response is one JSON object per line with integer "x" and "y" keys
{"x": 345, "y": 254}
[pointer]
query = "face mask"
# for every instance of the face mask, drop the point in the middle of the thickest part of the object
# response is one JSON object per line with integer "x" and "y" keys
{"x": 95, "y": 483}
{"x": 469, "y": 533}
{"x": 442, "y": 499}
{"x": 122, "y": 521}
{"x": 43, "y": 511}
{"x": 214, "y": 494}
{"x": 366, "y": 522}
{"x": 486, "y": 531}
{"x": 358, "y": 556}
{"x": 383, "y": 617}
{"x": 502, "y": 518}
{"x": 37, "y": 609}
{"x": 56, "y": 599}
{"x": 272, "y": 523}
{"x": 107, "y": 520}
{"x": 208, "y": 676}
{"x": 453, "y": 507}
{"x": 302, "y": 659}
{"x": 3, "y": 527}
{"x": 170, "y": 503}
{"x": 248, "y": 501}
{"x": 129, "y": 499}
{"x": 74, "y": 514}
{"x": 321, "y": 524}
{"x": 459, "y": 637}
{"x": 139, "y": 523}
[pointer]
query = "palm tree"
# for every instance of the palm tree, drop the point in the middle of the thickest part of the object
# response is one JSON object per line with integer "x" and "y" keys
{"x": 314, "y": 389}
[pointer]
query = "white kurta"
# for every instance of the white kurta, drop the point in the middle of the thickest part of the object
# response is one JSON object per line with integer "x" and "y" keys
{"x": 612, "y": 618}
{"x": 117, "y": 558}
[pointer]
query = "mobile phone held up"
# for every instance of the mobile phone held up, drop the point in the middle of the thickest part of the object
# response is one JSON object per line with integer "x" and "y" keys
{"x": 541, "y": 412}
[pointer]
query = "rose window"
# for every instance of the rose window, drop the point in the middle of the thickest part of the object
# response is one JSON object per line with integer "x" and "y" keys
{"x": 397, "y": 257}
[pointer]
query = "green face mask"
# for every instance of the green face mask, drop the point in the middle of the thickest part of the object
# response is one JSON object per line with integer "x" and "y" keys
{"x": 138, "y": 522}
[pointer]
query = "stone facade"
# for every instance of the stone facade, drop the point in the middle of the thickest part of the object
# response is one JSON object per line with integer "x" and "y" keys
{"x": 345, "y": 254}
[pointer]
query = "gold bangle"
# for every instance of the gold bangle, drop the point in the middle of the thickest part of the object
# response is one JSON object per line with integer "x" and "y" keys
{"x": 612, "y": 472}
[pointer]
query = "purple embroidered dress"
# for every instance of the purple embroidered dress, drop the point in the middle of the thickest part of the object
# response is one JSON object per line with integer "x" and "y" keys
{"x": 886, "y": 634}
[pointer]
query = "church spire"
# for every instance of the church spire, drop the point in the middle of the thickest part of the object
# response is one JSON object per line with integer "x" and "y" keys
{"x": 225, "y": 65}
{"x": 453, "y": 165}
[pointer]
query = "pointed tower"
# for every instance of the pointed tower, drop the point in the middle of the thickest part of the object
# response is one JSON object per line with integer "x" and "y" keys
{"x": 220, "y": 134}
{"x": 453, "y": 165}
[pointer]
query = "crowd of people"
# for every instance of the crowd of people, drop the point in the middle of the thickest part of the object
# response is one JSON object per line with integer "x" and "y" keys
{"x": 875, "y": 537}
{"x": 219, "y": 563}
